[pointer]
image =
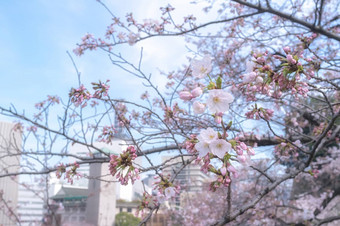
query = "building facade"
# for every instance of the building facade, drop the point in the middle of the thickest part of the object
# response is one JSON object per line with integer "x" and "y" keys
{"x": 10, "y": 149}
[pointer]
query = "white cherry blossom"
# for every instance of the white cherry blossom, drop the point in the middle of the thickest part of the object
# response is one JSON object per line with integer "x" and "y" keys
{"x": 203, "y": 148}
{"x": 219, "y": 100}
{"x": 198, "y": 107}
{"x": 200, "y": 68}
{"x": 169, "y": 192}
{"x": 220, "y": 147}
{"x": 207, "y": 135}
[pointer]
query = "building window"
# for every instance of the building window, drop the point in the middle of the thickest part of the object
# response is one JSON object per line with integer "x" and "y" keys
{"x": 129, "y": 210}
{"x": 120, "y": 209}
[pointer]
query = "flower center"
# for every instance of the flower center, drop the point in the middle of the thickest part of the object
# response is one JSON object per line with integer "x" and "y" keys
{"x": 216, "y": 100}
{"x": 219, "y": 146}
{"x": 203, "y": 70}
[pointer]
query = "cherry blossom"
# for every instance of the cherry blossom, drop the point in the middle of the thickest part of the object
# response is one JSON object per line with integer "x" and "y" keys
{"x": 220, "y": 147}
{"x": 219, "y": 100}
{"x": 201, "y": 68}
{"x": 207, "y": 135}
{"x": 198, "y": 107}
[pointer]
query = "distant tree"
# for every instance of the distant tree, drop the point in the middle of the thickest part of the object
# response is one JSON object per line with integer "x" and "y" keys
{"x": 126, "y": 219}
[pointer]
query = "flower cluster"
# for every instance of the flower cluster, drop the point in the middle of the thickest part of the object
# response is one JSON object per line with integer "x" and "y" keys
{"x": 122, "y": 166}
{"x": 18, "y": 127}
{"x": 107, "y": 134}
{"x": 222, "y": 179}
{"x": 69, "y": 174}
{"x": 258, "y": 113}
{"x": 288, "y": 149}
{"x": 32, "y": 129}
{"x": 189, "y": 144}
{"x": 186, "y": 95}
{"x": 88, "y": 42}
{"x": 50, "y": 99}
{"x": 61, "y": 168}
{"x": 218, "y": 99}
{"x": 242, "y": 150}
{"x": 80, "y": 96}
{"x": 166, "y": 189}
{"x": 101, "y": 89}
{"x": 261, "y": 78}
{"x": 171, "y": 114}
{"x": 209, "y": 142}
{"x": 148, "y": 202}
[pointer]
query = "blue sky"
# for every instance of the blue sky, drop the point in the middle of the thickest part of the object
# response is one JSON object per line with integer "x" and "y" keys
{"x": 36, "y": 34}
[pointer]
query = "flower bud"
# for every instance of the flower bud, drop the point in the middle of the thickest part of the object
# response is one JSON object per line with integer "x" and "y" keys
{"x": 286, "y": 49}
{"x": 218, "y": 119}
{"x": 223, "y": 171}
{"x": 290, "y": 59}
{"x": 196, "y": 92}
{"x": 185, "y": 95}
{"x": 259, "y": 79}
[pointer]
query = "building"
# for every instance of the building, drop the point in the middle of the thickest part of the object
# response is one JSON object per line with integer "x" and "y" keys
{"x": 190, "y": 178}
{"x": 99, "y": 206}
{"x": 10, "y": 149}
{"x": 71, "y": 203}
{"x": 30, "y": 207}
{"x": 101, "y": 203}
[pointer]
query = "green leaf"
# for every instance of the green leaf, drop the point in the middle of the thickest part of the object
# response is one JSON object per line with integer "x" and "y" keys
{"x": 219, "y": 82}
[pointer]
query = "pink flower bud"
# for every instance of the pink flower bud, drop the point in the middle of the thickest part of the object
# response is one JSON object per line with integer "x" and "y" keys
{"x": 259, "y": 79}
{"x": 243, "y": 146}
{"x": 290, "y": 59}
{"x": 218, "y": 119}
{"x": 260, "y": 60}
{"x": 196, "y": 92}
{"x": 223, "y": 171}
{"x": 242, "y": 158}
{"x": 251, "y": 151}
{"x": 185, "y": 95}
{"x": 239, "y": 151}
{"x": 286, "y": 49}
{"x": 232, "y": 169}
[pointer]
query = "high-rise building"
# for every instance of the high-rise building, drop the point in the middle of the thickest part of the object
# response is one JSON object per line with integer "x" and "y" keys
{"x": 31, "y": 197}
{"x": 190, "y": 178}
{"x": 10, "y": 149}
